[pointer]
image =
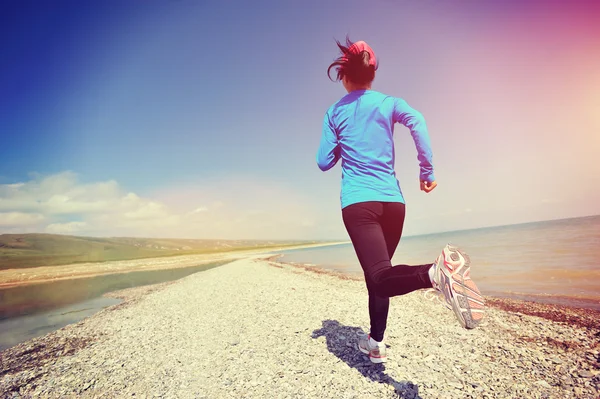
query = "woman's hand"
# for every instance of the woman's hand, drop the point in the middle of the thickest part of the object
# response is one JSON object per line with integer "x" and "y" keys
{"x": 427, "y": 187}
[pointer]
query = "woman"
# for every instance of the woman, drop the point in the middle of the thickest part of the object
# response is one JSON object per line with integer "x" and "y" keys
{"x": 358, "y": 130}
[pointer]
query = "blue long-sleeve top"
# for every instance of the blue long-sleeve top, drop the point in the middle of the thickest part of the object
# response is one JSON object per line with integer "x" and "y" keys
{"x": 359, "y": 130}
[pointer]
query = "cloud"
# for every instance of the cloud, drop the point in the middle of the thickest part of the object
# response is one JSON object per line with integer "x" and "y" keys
{"x": 18, "y": 219}
{"x": 66, "y": 228}
{"x": 59, "y": 194}
{"x": 235, "y": 208}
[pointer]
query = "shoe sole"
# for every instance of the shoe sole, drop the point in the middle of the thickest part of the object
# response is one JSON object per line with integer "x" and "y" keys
{"x": 459, "y": 289}
{"x": 377, "y": 360}
{"x": 372, "y": 359}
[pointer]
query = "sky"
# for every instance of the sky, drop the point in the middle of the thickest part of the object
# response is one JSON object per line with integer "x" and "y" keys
{"x": 201, "y": 119}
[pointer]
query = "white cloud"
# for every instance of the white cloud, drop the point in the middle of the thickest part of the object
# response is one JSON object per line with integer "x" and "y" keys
{"x": 236, "y": 208}
{"x": 65, "y": 228}
{"x": 17, "y": 219}
{"x": 59, "y": 194}
{"x": 147, "y": 211}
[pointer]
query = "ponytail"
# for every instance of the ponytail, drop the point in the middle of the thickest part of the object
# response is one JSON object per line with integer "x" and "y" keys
{"x": 357, "y": 63}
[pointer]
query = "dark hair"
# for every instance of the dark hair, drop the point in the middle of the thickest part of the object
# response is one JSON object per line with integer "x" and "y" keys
{"x": 355, "y": 67}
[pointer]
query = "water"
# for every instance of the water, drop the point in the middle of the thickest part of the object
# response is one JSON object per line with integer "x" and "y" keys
{"x": 15, "y": 330}
{"x": 31, "y": 311}
{"x": 553, "y": 261}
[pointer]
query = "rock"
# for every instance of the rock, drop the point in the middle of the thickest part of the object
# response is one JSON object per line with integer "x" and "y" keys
{"x": 585, "y": 374}
{"x": 558, "y": 369}
{"x": 567, "y": 380}
{"x": 543, "y": 384}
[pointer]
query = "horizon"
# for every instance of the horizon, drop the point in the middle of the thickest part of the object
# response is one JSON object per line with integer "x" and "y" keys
{"x": 336, "y": 241}
{"x": 153, "y": 121}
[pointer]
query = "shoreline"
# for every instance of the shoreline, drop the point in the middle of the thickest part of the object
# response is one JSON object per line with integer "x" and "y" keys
{"x": 583, "y": 317}
{"x": 10, "y": 278}
{"x": 132, "y": 347}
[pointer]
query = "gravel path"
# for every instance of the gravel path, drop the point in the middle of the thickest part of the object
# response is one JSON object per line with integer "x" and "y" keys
{"x": 260, "y": 329}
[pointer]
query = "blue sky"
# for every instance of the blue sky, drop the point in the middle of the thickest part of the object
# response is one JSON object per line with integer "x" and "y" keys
{"x": 202, "y": 118}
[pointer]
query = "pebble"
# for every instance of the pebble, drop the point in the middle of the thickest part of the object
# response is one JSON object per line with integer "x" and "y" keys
{"x": 543, "y": 384}
{"x": 585, "y": 373}
{"x": 248, "y": 329}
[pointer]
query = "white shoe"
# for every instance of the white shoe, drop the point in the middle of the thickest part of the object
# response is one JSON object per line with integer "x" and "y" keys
{"x": 368, "y": 346}
{"x": 452, "y": 278}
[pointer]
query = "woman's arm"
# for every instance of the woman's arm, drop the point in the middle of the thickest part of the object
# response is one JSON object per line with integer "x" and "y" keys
{"x": 415, "y": 122}
{"x": 329, "y": 150}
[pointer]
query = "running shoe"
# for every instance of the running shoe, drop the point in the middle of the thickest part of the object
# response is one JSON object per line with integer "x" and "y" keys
{"x": 376, "y": 351}
{"x": 452, "y": 277}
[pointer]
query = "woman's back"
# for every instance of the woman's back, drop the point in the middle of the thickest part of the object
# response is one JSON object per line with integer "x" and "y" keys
{"x": 358, "y": 129}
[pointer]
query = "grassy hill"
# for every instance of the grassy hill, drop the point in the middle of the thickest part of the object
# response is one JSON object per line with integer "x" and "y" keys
{"x": 30, "y": 250}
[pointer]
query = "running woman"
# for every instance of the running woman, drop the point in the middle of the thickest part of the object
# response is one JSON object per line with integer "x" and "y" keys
{"x": 358, "y": 130}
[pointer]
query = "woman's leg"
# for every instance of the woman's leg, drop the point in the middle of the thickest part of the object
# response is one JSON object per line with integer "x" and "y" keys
{"x": 364, "y": 223}
{"x": 361, "y": 221}
{"x": 378, "y": 313}
{"x": 392, "y": 223}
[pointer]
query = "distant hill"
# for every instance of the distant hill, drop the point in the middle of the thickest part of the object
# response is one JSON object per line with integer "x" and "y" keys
{"x": 30, "y": 250}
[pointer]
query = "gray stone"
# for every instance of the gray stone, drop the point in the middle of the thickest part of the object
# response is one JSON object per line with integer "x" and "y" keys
{"x": 585, "y": 373}
{"x": 543, "y": 384}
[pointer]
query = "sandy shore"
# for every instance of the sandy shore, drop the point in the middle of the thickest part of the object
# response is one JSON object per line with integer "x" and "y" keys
{"x": 18, "y": 277}
{"x": 260, "y": 329}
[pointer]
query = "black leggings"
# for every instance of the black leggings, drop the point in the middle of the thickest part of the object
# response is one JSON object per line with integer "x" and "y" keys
{"x": 375, "y": 229}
